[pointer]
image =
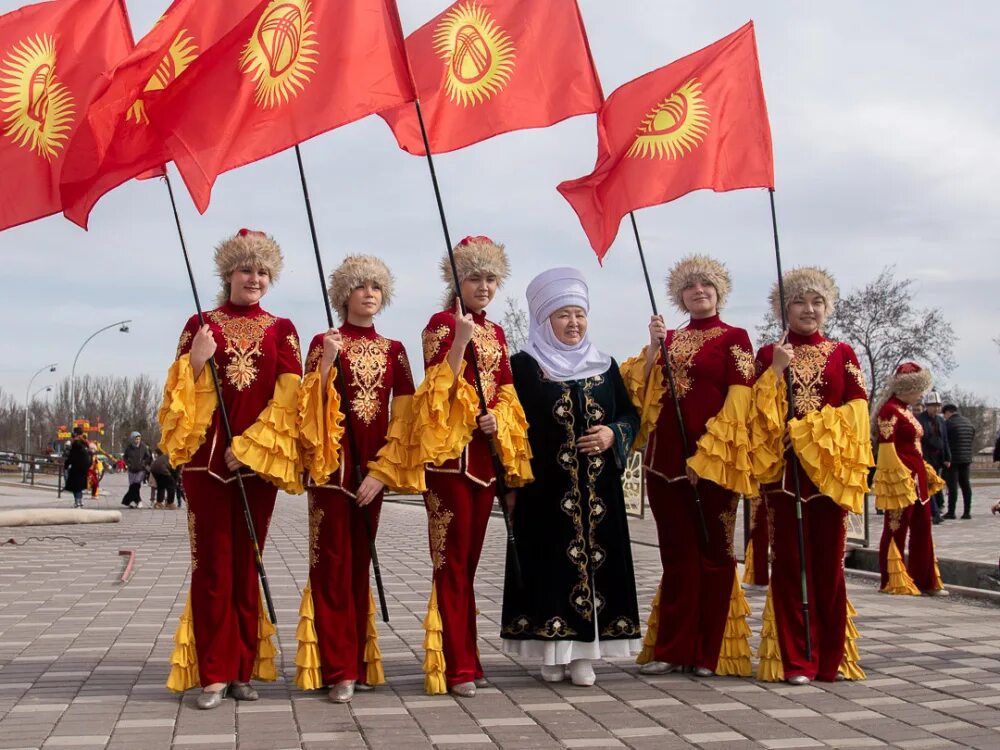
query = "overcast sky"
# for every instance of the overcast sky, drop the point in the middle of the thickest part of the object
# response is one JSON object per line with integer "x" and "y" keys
{"x": 886, "y": 147}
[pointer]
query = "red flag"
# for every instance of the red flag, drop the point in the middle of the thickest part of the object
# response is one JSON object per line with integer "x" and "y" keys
{"x": 52, "y": 58}
{"x": 115, "y": 142}
{"x": 700, "y": 122}
{"x": 291, "y": 70}
{"x": 486, "y": 67}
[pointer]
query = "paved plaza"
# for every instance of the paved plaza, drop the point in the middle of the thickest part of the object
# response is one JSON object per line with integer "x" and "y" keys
{"x": 83, "y": 657}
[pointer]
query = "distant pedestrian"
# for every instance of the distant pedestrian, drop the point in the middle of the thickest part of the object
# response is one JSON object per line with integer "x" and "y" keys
{"x": 961, "y": 434}
{"x": 935, "y": 446}
{"x": 137, "y": 457}
{"x": 163, "y": 475}
{"x": 95, "y": 473}
{"x": 77, "y": 466}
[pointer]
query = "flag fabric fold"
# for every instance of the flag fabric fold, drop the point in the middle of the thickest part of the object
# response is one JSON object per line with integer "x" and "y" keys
{"x": 53, "y": 57}
{"x": 699, "y": 122}
{"x": 486, "y": 67}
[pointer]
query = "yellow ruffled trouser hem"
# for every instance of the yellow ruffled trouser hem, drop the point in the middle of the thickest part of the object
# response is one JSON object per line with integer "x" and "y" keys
{"x": 749, "y": 574}
{"x": 184, "y": 659}
{"x": 652, "y": 630}
{"x": 769, "y": 665}
{"x": 308, "y": 674}
{"x": 849, "y": 666}
{"x": 734, "y": 655}
{"x": 374, "y": 674}
{"x": 899, "y": 580}
{"x": 435, "y": 682}
{"x": 938, "y": 583}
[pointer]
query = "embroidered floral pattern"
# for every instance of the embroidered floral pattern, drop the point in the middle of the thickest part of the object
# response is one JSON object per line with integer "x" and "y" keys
{"x": 368, "y": 359}
{"x": 193, "y": 539}
{"x": 807, "y": 375}
{"x": 744, "y": 362}
{"x": 243, "y": 337}
{"x": 315, "y": 355}
{"x": 490, "y": 354}
{"x": 621, "y": 627}
{"x": 182, "y": 343}
{"x": 918, "y": 430}
{"x": 728, "y": 520}
{"x": 684, "y": 346}
{"x": 432, "y": 341}
{"x": 886, "y": 427}
{"x": 315, "y": 523}
{"x": 438, "y": 519}
{"x": 293, "y": 341}
{"x": 855, "y": 372}
{"x": 404, "y": 365}
{"x": 554, "y": 627}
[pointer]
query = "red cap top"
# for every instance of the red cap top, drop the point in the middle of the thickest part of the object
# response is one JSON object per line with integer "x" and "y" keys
{"x": 244, "y": 232}
{"x": 474, "y": 238}
{"x": 908, "y": 368}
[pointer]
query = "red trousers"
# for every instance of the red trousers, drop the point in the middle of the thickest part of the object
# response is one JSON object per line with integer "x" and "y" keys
{"x": 225, "y": 594}
{"x": 697, "y": 582}
{"x": 339, "y": 562}
{"x": 915, "y": 520}
{"x": 760, "y": 536}
{"x": 458, "y": 510}
{"x": 825, "y": 540}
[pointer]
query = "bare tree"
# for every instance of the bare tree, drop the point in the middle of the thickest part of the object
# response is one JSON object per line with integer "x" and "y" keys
{"x": 515, "y": 325}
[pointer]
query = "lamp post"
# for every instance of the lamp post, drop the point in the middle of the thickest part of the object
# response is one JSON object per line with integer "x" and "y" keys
{"x": 27, "y": 420}
{"x": 27, "y": 404}
{"x": 123, "y": 328}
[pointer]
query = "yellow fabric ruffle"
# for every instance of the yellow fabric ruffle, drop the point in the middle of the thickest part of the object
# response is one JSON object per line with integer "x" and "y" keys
{"x": 270, "y": 446}
{"x": 374, "y": 674}
{"x": 934, "y": 482}
{"x": 444, "y": 421}
{"x": 184, "y": 659}
{"x": 833, "y": 447}
{"x": 899, "y": 579}
{"x": 398, "y": 463}
{"x": 849, "y": 665}
{"x": 893, "y": 487}
{"x": 512, "y": 438}
{"x": 938, "y": 583}
{"x": 749, "y": 574}
{"x": 722, "y": 454}
{"x": 186, "y": 411}
{"x": 647, "y": 396}
{"x": 734, "y": 655}
{"x": 652, "y": 629}
{"x": 768, "y": 410}
{"x": 434, "y": 678}
{"x": 263, "y": 663}
{"x": 769, "y": 665}
{"x": 321, "y": 426}
{"x": 308, "y": 673}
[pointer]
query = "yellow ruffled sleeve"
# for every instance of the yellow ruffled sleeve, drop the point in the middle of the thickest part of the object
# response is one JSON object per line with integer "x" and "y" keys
{"x": 934, "y": 482}
{"x": 186, "y": 412}
{"x": 646, "y": 395}
{"x": 722, "y": 454}
{"x": 512, "y": 438}
{"x": 398, "y": 463}
{"x": 768, "y": 410}
{"x": 270, "y": 446}
{"x": 321, "y": 425}
{"x": 444, "y": 420}
{"x": 894, "y": 487}
{"x": 832, "y": 446}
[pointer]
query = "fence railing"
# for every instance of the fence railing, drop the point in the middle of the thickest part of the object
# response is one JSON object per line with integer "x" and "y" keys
{"x": 33, "y": 470}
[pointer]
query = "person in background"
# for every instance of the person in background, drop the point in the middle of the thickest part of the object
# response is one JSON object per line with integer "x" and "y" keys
{"x": 961, "y": 435}
{"x": 137, "y": 457}
{"x": 163, "y": 477}
{"x": 935, "y": 446}
{"x": 95, "y": 473}
{"x": 77, "y": 466}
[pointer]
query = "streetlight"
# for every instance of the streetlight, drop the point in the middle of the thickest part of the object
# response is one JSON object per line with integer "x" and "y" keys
{"x": 27, "y": 419}
{"x": 123, "y": 328}
{"x": 28, "y": 399}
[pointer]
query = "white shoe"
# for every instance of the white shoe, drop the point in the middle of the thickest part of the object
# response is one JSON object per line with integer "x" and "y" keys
{"x": 581, "y": 672}
{"x": 553, "y": 672}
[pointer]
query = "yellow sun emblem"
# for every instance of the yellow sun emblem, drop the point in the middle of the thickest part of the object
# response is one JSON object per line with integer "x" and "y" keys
{"x": 282, "y": 52}
{"x": 37, "y": 109}
{"x": 181, "y": 54}
{"x": 674, "y": 127}
{"x": 478, "y": 55}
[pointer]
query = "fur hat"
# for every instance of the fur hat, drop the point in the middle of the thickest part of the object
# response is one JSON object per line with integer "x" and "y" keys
{"x": 798, "y": 281}
{"x": 474, "y": 255}
{"x": 355, "y": 271}
{"x": 910, "y": 378}
{"x": 246, "y": 248}
{"x": 698, "y": 268}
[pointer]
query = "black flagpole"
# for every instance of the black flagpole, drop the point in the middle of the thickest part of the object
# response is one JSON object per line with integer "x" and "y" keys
{"x": 685, "y": 444}
{"x": 341, "y": 385}
{"x": 223, "y": 415}
{"x": 795, "y": 461}
{"x": 498, "y": 470}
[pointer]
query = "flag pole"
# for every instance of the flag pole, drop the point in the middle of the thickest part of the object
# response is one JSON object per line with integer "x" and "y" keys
{"x": 685, "y": 444}
{"x": 498, "y": 470}
{"x": 340, "y": 382}
{"x": 223, "y": 414}
{"x": 804, "y": 590}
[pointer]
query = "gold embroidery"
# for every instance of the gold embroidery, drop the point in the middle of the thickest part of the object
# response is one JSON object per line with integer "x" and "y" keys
{"x": 404, "y": 363}
{"x": 312, "y": 361}
{"x": 744, "y": 362}
{"x": 368, "y": 359}
{"x": 683, "y": 348}
{"x": 182, "y": 342}
{"x": 193, "y": 539}
{"x": 770, "y": 532}
{"x": 855, "y": 372}
{"x": 728, "y": 519}
{"x": 438, "y": 519}
{"x": 886, "y": 427}
{"x": 807, "y": 368}
{"x": 432, "y": 341}
{"x": 489, "y": 353}
{"x": 554, "y": 627}
{"x": 243, "y": 337}
{"x": 918, "y": 430}
{"x": 621, "y": 626}
{"x": 293, "y": 341}
{"x": 315, "y": 522}
{"x": 594, "y": 415}
{"x": 568, "y": 459}
{"x": 894, "y": 518}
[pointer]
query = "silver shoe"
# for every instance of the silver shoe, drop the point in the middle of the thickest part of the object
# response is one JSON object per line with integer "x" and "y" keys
{"x": 243, "y": 691}
{"x": 659, "y": 667}
{"x": 703, "y": 672}
{"x": 211, "y": 699}
{"x": 342, "y": 692}
{"x": 363, "y": 687}
{"x": 464, "y": 689}
{"x": 799, "y": 679}
{"x": 937, "y": 592}
{"x": 482, "y": 682}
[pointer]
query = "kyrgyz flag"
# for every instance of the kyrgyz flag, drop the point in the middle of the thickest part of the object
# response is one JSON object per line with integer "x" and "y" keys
{"x": 700, "y": 122}
{"x": 291, "y": 70}
{"x": 52, "y": 58}
{"x": 115, "y": 141}
{"x": 485, "y": 67}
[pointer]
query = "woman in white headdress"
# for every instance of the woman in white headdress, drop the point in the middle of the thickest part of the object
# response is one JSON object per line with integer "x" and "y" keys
{"x": 578, "y": 600}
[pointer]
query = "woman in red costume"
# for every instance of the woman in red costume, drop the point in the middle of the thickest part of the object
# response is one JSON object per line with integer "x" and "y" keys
{"x": 338, "y": 639}
{"x": 828, "y": 439}
{"x": 698, "y": 616}
{"x": 224, "y": 638}
{"x": 904, "y": 484}
{"x": 455, "y": 447}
